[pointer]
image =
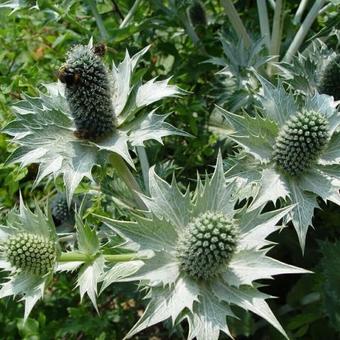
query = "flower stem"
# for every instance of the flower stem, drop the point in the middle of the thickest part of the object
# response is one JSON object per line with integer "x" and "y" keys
{"x": 236, "y": 21}
{"x": 264, "y": 21}
{"x": 126, "y": 175}
{"x": 98, "y": 19}
{"x": 299, "y": 12}
{"x": 144, "y": 162}
{"x": 303, "y": 30}
{"x": 76, "y": 256}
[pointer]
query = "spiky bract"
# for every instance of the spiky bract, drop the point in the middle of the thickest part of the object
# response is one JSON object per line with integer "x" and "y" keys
{"x": 330, "y": 78}
{"x": 88, "y": 92}
{"x": 300, "y": 142}
{"x": 206, "y": 245}
{"x": 30, "y": 253}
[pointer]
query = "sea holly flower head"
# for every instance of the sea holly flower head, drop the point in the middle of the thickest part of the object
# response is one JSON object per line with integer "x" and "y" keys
{"x": 329, "y": 83}
{"x": 296, "y": 149}
{"x": 29, "y": 252}
{"x": 91, "y": 113}
{"x": 205, "y": 255}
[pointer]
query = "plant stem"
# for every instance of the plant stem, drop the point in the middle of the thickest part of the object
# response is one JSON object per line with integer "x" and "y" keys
{"x": 76, "y": 256}
{"x": 272, "y": 3}
{"x": 303, "y": 30}
{"x": 236, "y": 22}
{"x": 126, "y": 175}
{"x": 98, "y": 19}
{"x": 264, "y": 22}
{"x": 276, "y": 34}
{"x": 299, "y": 12}
{"x": 130, "y": 14}
{"x": 144, "y": 162}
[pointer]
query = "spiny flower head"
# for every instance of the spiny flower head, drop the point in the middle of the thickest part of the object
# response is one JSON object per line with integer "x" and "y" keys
{"x": 207, "y": 244}
{"x": 290, "y": 151}
{"x": 202, "y": 255}
{"x": 330, "y": 78}
{"x": 30, "y": 253}
{"x": 300, "y": 142}
{"x": 88, "y": 91}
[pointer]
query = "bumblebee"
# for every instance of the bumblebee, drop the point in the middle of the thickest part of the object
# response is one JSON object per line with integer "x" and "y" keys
{"x": 67, "y": 76}
{"x": 99, "y": 50}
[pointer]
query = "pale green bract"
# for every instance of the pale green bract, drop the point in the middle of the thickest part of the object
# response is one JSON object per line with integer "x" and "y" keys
{"x": 22, "y": 282}
{"x": 258, "y": 135}
{"x": 172, "y": 292}
{"x": 44, "y": 128}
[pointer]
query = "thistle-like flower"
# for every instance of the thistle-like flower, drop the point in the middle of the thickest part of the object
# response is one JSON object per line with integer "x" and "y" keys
{"x": 296, "y": 149}
{"x": 59, "y": 129}
{"x": 329, "y": 83}
{"x": 29, "y": 251}
{"x": 205, "y": 256}
{"x": 88, "y": 91}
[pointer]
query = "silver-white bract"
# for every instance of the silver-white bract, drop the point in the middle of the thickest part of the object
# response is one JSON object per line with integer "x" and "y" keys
{"x": 44, "y": 128}
{"x": 257, "y": 136}
{"x": 30, "y": 286}
{"x": 172, "y": 293}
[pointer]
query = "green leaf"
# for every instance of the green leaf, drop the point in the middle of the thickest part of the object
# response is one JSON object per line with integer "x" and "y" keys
{"x": 120, "y": 271}
{"x": 167, "y": 303}
{"x": 151, "y": 126}
{"x": 167, "y": 201}
{"x": 215, "y": 194}
{"x": 209, "y": 318}
{"x": 272, "y": 187}
{"x": 278, "y": 105}
{"x": 255, "y": 134}
{"x": 250, "y": 299}
{"x": 249, "y": 265}
{"x": 302, "y": 214}
{"x": 156, "y": 234}
{"x": 331, "y": 154}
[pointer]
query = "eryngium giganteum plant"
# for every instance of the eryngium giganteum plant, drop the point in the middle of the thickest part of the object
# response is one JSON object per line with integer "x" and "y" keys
{"x": 28, "y": 251}
{"x": 206, "y": 256}
{"x": 290, "y": 151}
{"x": 92, "y": 113}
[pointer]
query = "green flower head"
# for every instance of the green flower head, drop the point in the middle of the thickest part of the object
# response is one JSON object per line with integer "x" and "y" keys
{"x": 204, "y": 256}
{"x": 29, "y": 251}
{"x": 59, "y": 129}
{"x": 88, "y": 92}
{"x": 290, "y": 152}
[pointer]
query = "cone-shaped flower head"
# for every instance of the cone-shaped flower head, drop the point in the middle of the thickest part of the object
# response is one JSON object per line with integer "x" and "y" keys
{"x": 30, "y": 253}
{"x": 330, "y": 78}
{"x": 291, "y": 151}
{"x": 29, "y": 250}
{"x": 204, "y": 256}
{"x": 301, "y": 141}
{"x": 207, "y": 245}
{"x": 88, "y": 92}
{"x": 47, "y": 128}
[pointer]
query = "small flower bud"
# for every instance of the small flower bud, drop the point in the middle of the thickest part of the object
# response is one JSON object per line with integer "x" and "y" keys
{"x": 330, "y": 79}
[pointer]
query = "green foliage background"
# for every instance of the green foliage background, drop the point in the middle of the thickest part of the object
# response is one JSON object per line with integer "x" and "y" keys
{"x": 33, "y": 45}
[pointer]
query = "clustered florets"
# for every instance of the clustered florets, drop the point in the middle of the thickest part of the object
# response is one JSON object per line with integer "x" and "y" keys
{"x": 60, "y": 210}
{"x": 330, "y": 79}
{"x": 88, "y": 92}
{"x": 30, "y": 253}
{"x": 300, "y": 142}
{"x": 207, "y": 244}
